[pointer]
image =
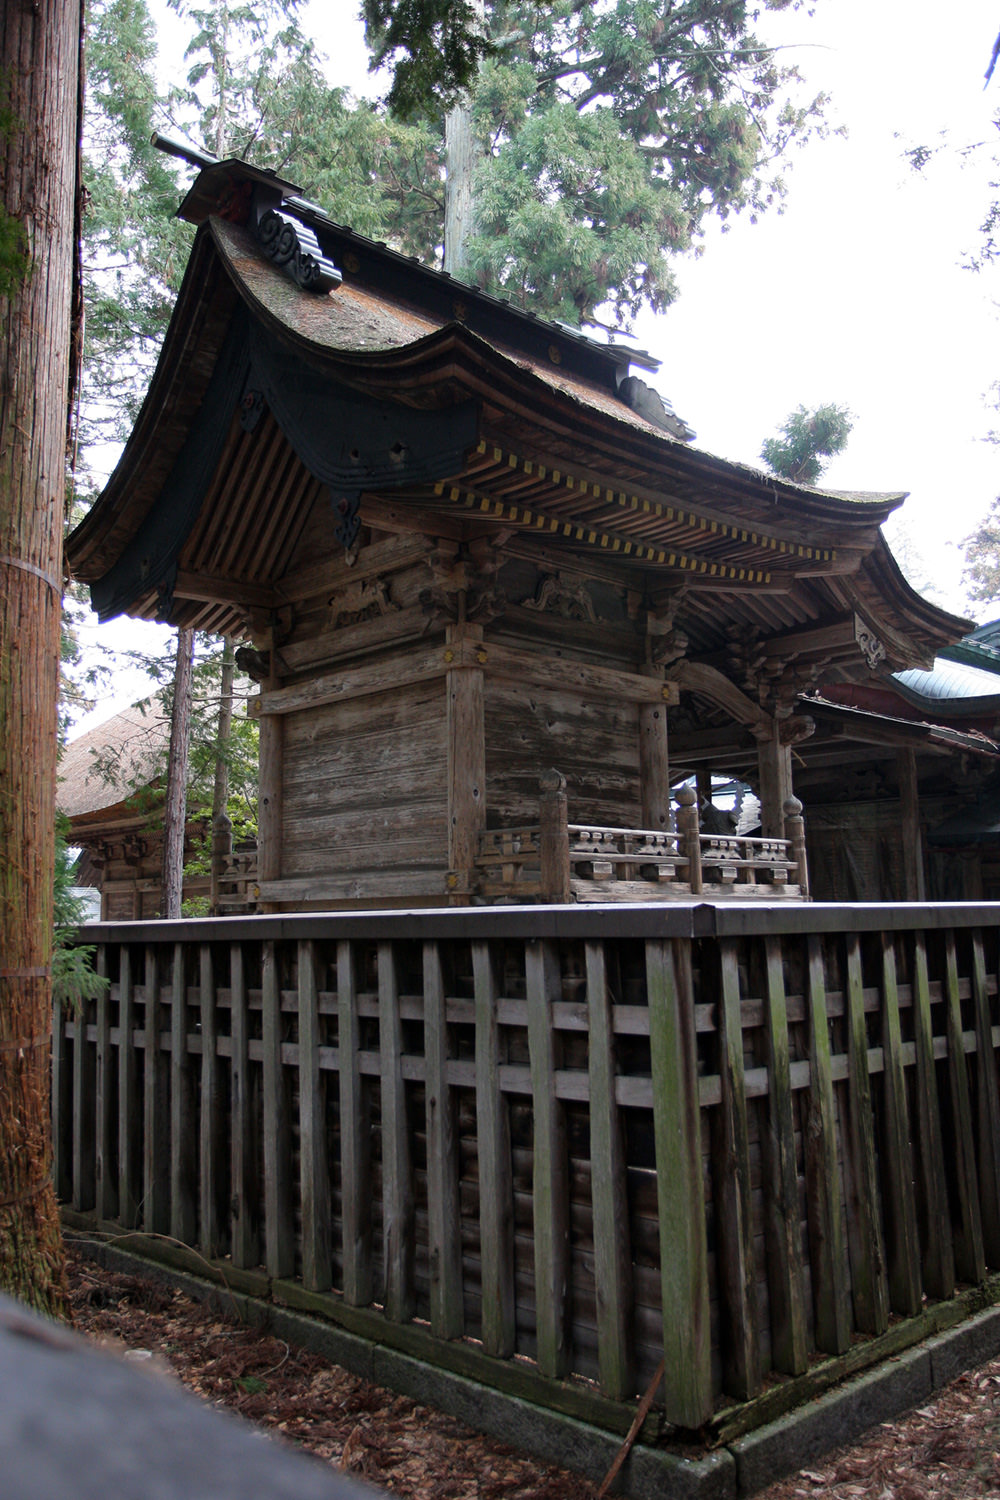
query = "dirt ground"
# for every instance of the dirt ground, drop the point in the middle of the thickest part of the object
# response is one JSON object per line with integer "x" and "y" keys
{"x": 948, "y": 1448}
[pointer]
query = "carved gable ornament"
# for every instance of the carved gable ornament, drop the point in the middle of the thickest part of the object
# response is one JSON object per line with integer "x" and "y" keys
{"x": 295, "y": 248}
{"x": 870, "y": 646}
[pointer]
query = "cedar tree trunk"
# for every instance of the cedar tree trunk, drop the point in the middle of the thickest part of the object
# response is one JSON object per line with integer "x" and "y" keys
{"x": 39, "y": 63}
{"x": 175, "y": 812}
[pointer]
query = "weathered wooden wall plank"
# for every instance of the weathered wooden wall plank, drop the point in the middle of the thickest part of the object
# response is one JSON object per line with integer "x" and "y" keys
{"x": 314, "y": 1176}
{"x": 612, "y": 1236}
{"x": 680, "y": 1189}
{"x": 496, "y": 1203}
{"x": 444, "y": 1243}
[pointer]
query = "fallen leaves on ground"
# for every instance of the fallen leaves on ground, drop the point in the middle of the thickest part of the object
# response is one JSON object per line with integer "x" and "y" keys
{"x": 945, "y": 1449}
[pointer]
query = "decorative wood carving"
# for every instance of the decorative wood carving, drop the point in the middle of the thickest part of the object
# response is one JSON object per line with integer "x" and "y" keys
{"x": 295, "y": 248}
{"x": 667, "y": 648}
{"x": 255, "y": 664}
{"x": 463, "y": 589}
{"x": 871, "y": 647}
{"x": 366, "y": 600}
{"x": 564, "y": 594}
{"x": 252, "y": 408}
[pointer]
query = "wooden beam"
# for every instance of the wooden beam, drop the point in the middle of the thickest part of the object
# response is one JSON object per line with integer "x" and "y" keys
{"x": 332, "y": 571}
{"x": 821, "y": 638}
{"x": 699, "y": 677}
{"x": 212, "y": 590}
{"x": 434, "y": 661}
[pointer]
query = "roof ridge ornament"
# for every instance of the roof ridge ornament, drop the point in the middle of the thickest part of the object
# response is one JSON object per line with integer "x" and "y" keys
{"x": 294, "y": 247}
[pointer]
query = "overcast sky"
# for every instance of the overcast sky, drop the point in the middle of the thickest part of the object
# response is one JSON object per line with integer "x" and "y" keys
{"x": 856, "y": 293}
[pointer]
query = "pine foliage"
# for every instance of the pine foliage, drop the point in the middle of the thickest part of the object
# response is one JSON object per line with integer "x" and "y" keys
{"x": 807, "y": 440}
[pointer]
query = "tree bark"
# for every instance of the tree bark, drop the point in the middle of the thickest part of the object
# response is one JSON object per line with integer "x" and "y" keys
{"x": 459, "y": 205}
{"x": 175, "y": 811}
{"x": 460, "y": 168}
{"x": 39, "y": 62}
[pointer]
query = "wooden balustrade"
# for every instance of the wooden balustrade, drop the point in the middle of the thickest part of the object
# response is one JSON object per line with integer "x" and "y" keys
{"x": 547, "y": 1148}
{"x": 557, "y": 861}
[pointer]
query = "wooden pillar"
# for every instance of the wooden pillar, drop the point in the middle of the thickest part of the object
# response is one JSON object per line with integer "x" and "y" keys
{"x": 654, "y": 766}
{"x": 914, "y": 887}
{"x": 774, "y": 766}
{"x": 466, "y": 757}
{"x": 689, "y": 829}
{"x": 270, "y": 790}
{"x": 553, "y": 838}
{"x": 269, "y": 800}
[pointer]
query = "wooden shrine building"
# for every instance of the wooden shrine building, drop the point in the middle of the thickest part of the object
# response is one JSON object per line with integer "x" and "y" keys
{"x": 497, "y": 603}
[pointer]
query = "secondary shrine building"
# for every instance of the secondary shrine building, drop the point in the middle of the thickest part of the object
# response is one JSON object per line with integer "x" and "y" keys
{"x": 497, "y": 603}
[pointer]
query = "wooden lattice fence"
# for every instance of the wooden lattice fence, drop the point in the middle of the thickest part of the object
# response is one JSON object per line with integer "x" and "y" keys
{"x": 552, "y": 1146}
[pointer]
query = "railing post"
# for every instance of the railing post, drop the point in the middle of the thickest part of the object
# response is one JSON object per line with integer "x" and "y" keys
{"x": 222, "y": 853}
{"x": 553, "y": 839}
{"x": 690, "y": 831}
{"x": 795, "y": 833}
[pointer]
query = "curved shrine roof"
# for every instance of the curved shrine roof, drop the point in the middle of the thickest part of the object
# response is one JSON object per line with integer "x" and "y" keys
{"x": 501, "y": 423}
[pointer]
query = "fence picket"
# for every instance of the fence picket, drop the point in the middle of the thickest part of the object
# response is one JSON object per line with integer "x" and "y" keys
{"x": 970, "y": 1258}
{"x": 208, "y": 1124}
{"x": 612, "y": 1231}
{"x": 932, "y": 1197}
{"x": 496, "y": 1194}
{"x": 84, "y": 1112}
{"x": 129, "y": 1164}
{"x": 782, "y": 1228}
{"x": 870, "y": 1284}
{"x": 106, "y": 1203}
{"x": 831, "y": 1292}
{"x": 279, "y": 1230}
{"x": 314, "y": 1177}
{"x": 680, "y": 1188}
{"x": 550, "y": 1175}
{"x": 354, "y": 1153}
{"x": 731, "y": 1173}
{"x": 244, "y": 1155}
{"x": 444, "y": 1235}
{"x": 397, "y": 1186}
{"x": 183, "y": 1152}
